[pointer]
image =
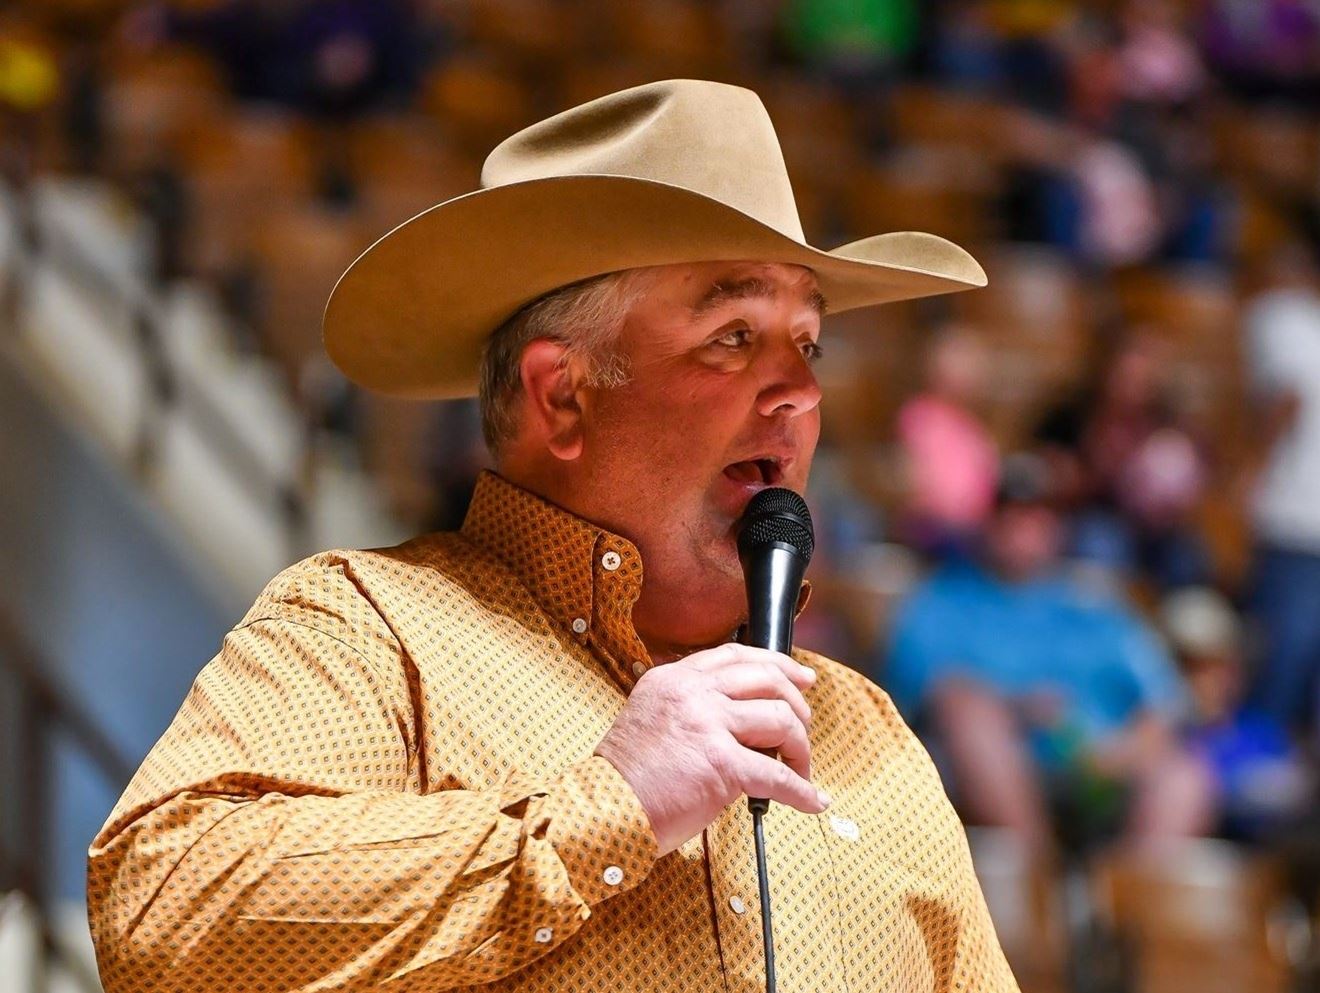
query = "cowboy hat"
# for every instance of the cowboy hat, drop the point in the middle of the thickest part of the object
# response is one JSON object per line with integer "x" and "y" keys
{"x": 670, "y": 172}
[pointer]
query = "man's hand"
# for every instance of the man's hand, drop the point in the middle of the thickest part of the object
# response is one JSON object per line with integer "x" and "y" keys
{"x": 687, "y": 739}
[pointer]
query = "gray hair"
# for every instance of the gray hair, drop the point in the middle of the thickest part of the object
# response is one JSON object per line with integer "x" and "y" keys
{"x": 586, "y": 316}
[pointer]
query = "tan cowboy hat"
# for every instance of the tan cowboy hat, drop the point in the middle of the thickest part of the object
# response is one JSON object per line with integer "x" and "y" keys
{"x": 677, "y": 171}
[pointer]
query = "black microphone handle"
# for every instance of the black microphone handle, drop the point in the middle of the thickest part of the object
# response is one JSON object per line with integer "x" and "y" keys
{"x": 774, "y": 583}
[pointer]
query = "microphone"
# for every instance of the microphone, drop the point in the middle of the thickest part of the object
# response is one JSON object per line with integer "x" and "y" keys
{"x": 775, "y": 542}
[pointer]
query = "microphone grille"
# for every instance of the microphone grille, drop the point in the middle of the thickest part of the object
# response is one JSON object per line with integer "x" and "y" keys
{"x": 777, "y": 514}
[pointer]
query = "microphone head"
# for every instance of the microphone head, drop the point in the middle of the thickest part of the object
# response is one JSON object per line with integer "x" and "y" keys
{"x": 773, "y": 515}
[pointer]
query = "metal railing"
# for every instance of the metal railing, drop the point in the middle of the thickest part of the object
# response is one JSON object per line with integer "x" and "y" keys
{"x": 43, "y": 709}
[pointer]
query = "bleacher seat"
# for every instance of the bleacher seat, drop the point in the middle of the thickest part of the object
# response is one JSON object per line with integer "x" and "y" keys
{"x": 921, "y": 189}
{"x": 590, "y": 79}
{"x": 674, "y": 38}
{"x": 1024, "y": 893}
{"x": 397, "y": 438}
{"x": 400, "y": 165}
{"x": 1276, "y": 149}
{"x": 1034, "y": 314}
{"x": 478, "y": 101}
{"x": 238, "y": 166}
{"x": 538, "y": 35}
{"x": 1196, "y": 915}
{"x": 150, "y": 99}
{"x": 928, "y": 115}
{"x": 302, "y": 248}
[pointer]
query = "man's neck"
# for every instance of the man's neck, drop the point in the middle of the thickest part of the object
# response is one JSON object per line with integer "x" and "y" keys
{"x": 653, "y": 614}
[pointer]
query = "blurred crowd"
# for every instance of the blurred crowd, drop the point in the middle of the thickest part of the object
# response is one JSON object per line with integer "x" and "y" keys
{"x": 1081, "y": 666}
{"x": 1073, "y": 530}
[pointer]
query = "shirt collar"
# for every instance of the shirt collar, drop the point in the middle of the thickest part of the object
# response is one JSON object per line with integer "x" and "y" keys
{"x": 582, "y": 575}
{"x": 585, "y": 577}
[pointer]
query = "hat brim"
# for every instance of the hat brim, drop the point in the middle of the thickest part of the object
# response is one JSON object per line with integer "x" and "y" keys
{"x": 410, "y": 316}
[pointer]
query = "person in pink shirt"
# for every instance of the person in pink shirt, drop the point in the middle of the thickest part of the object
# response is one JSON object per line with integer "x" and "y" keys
{"x": 950, "y": 460}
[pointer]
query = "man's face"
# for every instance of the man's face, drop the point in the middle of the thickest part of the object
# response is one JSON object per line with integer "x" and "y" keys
{"x": 1024, "y": 540}
{"x": 721, "y": 402}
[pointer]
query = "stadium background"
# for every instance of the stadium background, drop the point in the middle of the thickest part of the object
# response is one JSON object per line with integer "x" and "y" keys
{"x": 183, "y": 183}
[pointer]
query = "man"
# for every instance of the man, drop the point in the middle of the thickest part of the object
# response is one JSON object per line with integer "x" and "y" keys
{"x": 950, "y": 463}
{"x": 515, "y": 755}
{"x": 1283, "y": 350}
{"x": 1046, "y": 696}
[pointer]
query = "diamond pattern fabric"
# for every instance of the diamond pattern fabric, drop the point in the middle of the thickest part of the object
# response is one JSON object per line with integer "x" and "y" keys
{"x": 385, "y": 780}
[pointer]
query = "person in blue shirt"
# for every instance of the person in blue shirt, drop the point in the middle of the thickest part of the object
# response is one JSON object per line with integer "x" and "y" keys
{"x": 1051, "y": 704}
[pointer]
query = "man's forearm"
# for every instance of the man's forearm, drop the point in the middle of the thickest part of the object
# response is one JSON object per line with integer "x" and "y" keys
{"x": 281, "y": 892}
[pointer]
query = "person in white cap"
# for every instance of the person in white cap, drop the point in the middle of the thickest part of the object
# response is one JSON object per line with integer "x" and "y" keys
{"x": 511, "y": 755}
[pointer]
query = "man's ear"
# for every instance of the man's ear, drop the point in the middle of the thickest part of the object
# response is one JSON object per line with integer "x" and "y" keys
{"x": 551, "y": 381}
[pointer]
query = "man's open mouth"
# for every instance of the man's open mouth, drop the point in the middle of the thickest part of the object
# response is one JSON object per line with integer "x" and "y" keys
{"x": 763, "y": 472}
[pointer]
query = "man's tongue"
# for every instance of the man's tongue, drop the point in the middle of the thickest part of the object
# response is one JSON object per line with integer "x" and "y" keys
{"x": 745, "y": 472}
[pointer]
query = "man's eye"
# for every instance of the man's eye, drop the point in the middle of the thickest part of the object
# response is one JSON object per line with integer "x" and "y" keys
{"x": 812, "y": 351}
{"x": 736, "y": 338}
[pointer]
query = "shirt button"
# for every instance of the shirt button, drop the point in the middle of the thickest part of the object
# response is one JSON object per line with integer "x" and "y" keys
{"x": 611, "y": 560}
{"x": 543, "y": 935}
{"x": 845, "y": 828}
{"x": 738, "y": 906}
{"x": 639, "y": 669}
{"x": 613, "y": 875}
{"x": 579, "y": 625}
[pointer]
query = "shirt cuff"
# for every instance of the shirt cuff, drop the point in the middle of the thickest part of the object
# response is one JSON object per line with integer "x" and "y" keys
{"x": 600, "y": 831}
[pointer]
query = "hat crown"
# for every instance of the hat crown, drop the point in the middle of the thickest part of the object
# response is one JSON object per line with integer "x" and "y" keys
{"x": 712, "y": 138}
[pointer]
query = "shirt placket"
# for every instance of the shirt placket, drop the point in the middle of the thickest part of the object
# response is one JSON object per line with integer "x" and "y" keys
{"x": 735, "y": 901}
{"x": 804, "y": 899}
{"x": 616, "y": 583}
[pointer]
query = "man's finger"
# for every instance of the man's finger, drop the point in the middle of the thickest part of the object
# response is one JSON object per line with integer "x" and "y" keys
{"x": 761, "y": 681}
{"x": 771, "y": 725}
{"x": 716, "y": 659}
{"x": 765, "y": 777}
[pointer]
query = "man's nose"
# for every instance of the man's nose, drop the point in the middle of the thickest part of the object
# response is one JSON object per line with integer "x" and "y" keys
{"x": 790, "y": 386}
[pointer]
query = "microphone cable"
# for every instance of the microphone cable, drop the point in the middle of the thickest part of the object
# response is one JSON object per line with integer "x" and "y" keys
{"x": 759, "y": 806}
{"x": 775, "y": 542}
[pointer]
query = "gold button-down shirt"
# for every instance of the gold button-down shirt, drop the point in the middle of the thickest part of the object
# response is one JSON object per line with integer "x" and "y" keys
{"x": 385, "y": 780}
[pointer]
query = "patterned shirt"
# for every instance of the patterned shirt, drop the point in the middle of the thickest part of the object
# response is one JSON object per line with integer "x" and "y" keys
{"x": 385, "y": 779}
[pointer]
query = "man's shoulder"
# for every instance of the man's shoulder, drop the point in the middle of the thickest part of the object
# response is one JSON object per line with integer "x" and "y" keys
{"x": 842, "y": 695}
{"x": 357, "y": 583}
{"x": 830, "y": 671}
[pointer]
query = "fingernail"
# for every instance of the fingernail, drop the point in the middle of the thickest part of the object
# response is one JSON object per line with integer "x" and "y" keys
{"x": 825, "y": 798}
{"x": 807, "y": 671}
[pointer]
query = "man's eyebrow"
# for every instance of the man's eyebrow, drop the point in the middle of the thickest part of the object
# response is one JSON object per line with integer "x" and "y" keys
{"x": 744, "y": 289}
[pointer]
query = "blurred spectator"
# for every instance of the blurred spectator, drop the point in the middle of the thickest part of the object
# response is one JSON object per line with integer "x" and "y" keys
{"x": 949, "y": 459}
{"x": 1134, "y": 474}
{"x": 1117, "y": 221}
{"x": 861, "y": 46}
{"x": 1283, "y": 338}
{"x": 861, "y": 41}
{"x": 328, "y": 57}
{"x": 29, "y": 83}
{"x": 1157, "y": 62}
{"x": 1260, "y": 780}
{"x": 1053, "y": 704}
{"x": 1265, "y": 49}
{"x": 1114, "y": 165}
{"x": 29, "y": 77}
{"x": 1033, "y": 58}
{"x": 1160, "y": 81}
